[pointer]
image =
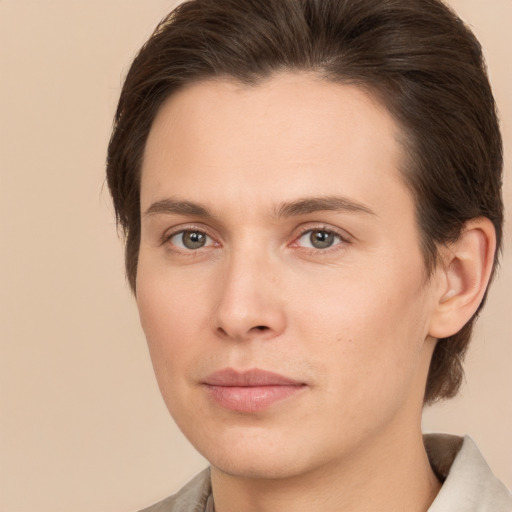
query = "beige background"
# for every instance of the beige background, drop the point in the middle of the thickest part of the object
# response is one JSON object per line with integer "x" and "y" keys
{"x": 82, "y": 425}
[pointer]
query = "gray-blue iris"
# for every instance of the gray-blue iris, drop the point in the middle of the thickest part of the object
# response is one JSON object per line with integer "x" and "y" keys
{"x": 193, "y": 239}
{"x": 321, "y": 239}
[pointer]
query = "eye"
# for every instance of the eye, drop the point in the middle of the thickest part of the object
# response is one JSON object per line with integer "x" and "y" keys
{"x": 191, "y": 240}
{"x": 319, "y": 239}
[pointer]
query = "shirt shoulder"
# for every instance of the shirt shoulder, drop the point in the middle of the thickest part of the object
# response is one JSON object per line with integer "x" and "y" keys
{"x": 190, "y": 498}
{"x": 469, "y": 484}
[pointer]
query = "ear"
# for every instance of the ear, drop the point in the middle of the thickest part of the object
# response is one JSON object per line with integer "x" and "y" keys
{"x": 462, "y": 277}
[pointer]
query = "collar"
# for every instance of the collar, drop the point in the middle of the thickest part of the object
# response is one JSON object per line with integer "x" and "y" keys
{"x": 469, "y": 485}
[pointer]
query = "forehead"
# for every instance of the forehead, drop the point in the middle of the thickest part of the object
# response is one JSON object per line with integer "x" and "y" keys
{"x": 292, "y": 134}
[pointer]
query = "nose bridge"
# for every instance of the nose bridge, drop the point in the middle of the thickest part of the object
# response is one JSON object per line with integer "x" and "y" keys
{"x": 249, "y": 304}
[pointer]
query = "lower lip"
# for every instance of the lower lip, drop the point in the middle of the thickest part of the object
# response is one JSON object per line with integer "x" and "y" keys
{"x": 252, "y": 398}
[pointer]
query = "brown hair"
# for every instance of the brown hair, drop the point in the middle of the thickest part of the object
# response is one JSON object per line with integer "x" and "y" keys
{"x": 416, "y": 56}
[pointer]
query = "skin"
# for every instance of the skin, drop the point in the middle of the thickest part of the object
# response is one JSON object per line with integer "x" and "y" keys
{"x": 354, "y": 322}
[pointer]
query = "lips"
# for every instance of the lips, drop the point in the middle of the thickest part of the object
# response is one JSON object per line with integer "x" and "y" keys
{"x": 250, "y": 391}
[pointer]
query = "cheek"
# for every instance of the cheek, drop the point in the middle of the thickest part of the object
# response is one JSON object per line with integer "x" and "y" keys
{"x": 369, "y": 332}
{"x": 169, "y": 310}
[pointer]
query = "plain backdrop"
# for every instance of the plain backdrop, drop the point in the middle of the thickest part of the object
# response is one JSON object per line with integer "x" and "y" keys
{"x": 82, "y": 424}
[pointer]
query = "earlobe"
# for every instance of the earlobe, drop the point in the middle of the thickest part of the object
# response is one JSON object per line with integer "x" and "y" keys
{"x": 464, "y": 274}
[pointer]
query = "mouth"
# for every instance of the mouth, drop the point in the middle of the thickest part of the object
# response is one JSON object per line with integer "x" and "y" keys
{"x": 250, "y": 391}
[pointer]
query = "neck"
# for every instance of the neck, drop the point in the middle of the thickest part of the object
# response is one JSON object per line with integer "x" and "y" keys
{"x": 387, "y": 474}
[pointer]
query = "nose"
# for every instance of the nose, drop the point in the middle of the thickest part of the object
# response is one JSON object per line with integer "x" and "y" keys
{"x": 251, "y": 303}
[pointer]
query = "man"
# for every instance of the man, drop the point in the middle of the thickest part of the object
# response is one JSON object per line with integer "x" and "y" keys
{"x": 310, "y": 192}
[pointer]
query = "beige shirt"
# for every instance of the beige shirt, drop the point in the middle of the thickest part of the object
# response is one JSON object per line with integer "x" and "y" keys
{"x": 468, "y": 483}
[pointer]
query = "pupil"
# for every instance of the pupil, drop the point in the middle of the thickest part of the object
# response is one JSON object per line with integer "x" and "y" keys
{"x": 322, "y": 239}
{"x": 193, "y": 240}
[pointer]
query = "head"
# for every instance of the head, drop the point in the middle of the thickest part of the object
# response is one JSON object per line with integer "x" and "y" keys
{"x": 414, "y": 58}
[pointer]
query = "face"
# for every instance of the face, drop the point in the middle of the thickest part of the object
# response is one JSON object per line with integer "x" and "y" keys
{"x": 280, "y": 281}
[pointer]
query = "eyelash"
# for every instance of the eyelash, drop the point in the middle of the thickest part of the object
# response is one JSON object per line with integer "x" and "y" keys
{"x": 342, "y": 239}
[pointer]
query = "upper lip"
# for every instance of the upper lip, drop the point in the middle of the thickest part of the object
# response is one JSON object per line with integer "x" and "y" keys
{"x": 248, "y": 378}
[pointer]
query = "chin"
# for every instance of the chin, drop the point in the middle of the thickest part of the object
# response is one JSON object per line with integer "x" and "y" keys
{"x": 261, "y": 457}
{"x": 260, "y": 468}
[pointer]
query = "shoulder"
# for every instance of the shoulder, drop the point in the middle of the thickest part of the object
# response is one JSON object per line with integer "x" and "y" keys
{"x": 190, "y": 498}
{"x": 469, "y": 484}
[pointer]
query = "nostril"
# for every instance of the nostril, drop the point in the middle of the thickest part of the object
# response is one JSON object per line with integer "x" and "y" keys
{"x": 243, "y": 330}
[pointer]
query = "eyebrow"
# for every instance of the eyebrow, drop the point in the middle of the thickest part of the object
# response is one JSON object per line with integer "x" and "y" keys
{"x": 173, "y": 206}
{"x": 316, "y": 204}
{"x": 288, "y": 209}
